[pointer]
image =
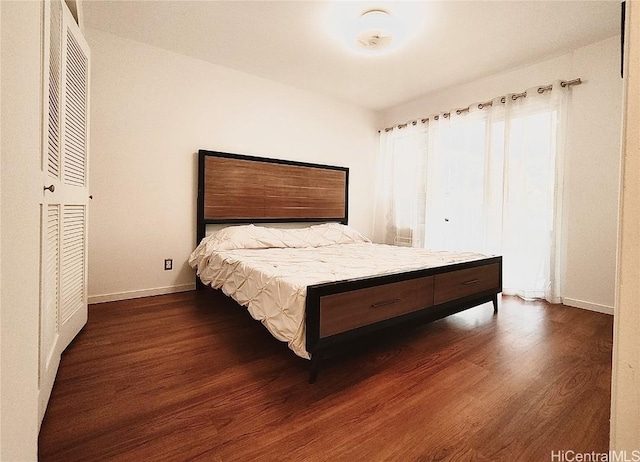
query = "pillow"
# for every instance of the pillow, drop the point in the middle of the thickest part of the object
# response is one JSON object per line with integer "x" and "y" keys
{"x": 260, "y": 237}
{"x": 335, "y": 233}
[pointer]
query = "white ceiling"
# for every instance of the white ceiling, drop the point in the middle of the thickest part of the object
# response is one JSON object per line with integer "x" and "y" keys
{"x": 294, "y": 42}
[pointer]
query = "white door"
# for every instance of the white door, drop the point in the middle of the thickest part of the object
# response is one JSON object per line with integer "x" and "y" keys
{"x": 63, "y": 271}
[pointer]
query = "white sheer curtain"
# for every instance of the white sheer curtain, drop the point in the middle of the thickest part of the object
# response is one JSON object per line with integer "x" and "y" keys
{"x": 488, "y": 180}
{"x": 401, "y": 186}
{"x": 534, "y": 131}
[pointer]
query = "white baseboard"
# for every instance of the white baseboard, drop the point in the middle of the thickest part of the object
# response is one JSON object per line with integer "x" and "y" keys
{"x": 140, "y": 293}
{"x": 587, "y": 305}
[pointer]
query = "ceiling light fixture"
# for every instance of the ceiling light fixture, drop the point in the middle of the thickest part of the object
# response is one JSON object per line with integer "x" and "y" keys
{"x": 376, "y": 30}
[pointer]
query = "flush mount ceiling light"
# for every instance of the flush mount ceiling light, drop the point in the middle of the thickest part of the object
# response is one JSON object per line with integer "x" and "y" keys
{"x": 376, "y": 30}
{"x": 374, "y": 27}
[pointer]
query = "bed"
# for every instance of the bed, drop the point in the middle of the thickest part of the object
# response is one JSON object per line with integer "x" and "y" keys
{"x": 321, "y": 286}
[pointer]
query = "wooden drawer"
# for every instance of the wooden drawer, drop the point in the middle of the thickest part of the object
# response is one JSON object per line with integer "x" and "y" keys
{"x": 462, "y": 283}
{"x": 349, "y": 310}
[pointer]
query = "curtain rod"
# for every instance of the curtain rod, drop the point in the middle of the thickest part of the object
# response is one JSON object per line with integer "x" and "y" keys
{"x": 541, "y": 89}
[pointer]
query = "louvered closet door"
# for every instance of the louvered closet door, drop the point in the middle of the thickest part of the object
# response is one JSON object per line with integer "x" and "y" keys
{"x": 63, "y": 301}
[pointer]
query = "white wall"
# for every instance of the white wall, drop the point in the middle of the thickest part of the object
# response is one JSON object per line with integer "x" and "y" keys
{"x": 593, "y": 158}
{"x": 151, "y": 110}
{"x": 19, "y": 244}
{"x": 625, "y": 389}
{"x": 593, "y": 181}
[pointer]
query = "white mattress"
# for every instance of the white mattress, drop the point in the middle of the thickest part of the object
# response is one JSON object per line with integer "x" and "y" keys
{"x": 272, "y": 282}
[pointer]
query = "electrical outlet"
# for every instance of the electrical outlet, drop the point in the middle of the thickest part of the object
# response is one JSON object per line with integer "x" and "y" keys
{"x": 168, "y": 264}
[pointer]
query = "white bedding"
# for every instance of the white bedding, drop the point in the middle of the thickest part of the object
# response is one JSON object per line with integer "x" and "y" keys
{"x": 271, "y": 276}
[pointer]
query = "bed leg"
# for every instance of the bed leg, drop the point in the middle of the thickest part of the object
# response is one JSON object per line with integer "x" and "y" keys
{"x": 313, "y": 370}
{"x": 495, "y": 303}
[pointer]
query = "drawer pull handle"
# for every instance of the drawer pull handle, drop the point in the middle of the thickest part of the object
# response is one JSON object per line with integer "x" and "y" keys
{"x": 388, "y": 302}
{"x": 473, "y": 281}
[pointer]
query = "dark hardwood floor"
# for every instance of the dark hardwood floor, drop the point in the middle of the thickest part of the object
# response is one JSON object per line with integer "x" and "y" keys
{"x": 192, "y": 377}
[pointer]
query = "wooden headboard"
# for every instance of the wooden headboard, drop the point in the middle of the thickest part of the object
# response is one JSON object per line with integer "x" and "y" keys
{"x": 234, "y": 188}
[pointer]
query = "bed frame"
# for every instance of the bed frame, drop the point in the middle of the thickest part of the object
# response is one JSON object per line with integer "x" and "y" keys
{"x": 235, "y": 188}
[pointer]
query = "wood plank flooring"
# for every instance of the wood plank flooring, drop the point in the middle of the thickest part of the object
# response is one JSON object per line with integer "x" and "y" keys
{"x": 192, "y": 377}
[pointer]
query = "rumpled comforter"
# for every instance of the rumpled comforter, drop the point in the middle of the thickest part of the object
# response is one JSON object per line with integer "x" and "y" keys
{"x": 269, "y": 271}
